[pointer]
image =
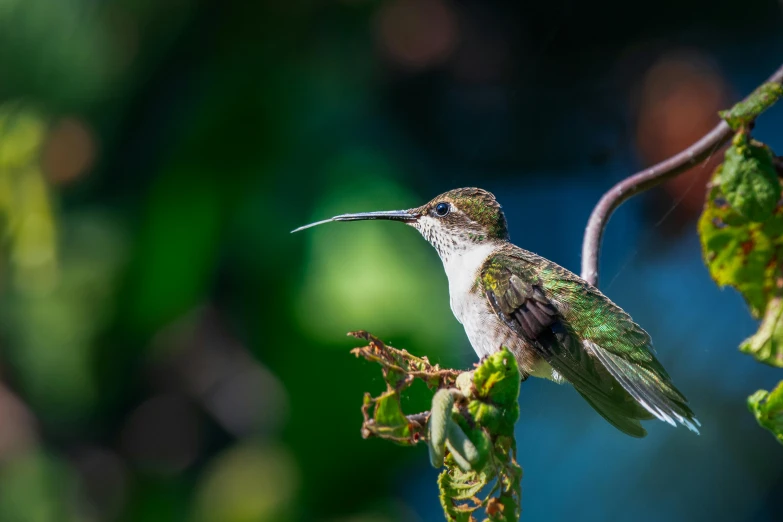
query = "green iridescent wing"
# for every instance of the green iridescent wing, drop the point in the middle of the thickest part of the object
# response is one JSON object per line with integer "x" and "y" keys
{"x": 586, "y": 338}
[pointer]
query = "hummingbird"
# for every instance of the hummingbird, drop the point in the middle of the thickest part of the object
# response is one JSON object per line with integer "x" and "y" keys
{"x": 557, "y": 325}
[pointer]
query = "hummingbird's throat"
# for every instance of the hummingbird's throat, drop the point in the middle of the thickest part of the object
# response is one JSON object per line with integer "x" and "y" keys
{"x": 449, "y": 241}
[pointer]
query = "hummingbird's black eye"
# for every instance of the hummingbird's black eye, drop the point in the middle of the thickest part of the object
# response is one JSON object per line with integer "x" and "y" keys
{"x": 442, "y": 209}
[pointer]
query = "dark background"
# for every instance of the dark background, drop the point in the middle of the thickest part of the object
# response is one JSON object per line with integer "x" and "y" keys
{"x": 169, "y": 352}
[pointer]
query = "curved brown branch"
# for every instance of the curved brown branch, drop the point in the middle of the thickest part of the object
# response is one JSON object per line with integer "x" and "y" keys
{"x": 644, "y": 180}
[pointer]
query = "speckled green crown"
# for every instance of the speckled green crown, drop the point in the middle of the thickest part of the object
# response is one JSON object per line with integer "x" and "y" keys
{"x": 481, "y": 207}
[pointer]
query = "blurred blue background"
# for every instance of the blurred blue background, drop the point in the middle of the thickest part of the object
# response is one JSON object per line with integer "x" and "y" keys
{"x": 169, "y": 352}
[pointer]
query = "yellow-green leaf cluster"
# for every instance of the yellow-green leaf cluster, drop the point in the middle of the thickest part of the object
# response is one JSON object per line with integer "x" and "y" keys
{"x": 741, "y": 232}
{"x": 27, "y": 224}
{"x": 748, "y": 255}
{"x": 741, "y": 253}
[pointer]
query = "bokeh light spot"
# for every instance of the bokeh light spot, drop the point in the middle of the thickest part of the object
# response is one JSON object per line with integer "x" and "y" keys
{"x": 163, "y": 434}
{"x": 69, "y": 152}
{"x": 251, "y": 482}
{"x": 681, "y": 95}
{"x": 17, "y": 430}
{"x": 417, "y": 33}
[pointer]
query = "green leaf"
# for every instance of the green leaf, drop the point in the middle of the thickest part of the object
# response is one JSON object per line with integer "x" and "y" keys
{"x": 767, "y": 344}
{"x": 458, "y": 491}
{"x": 497, "y": 379}
{"x": 768, "y": 410}
{"x": 748, "y": 179}
{"x": 743, "y": 113}
{"x": 740, "y": 253}
{"x": 389, "y": 420}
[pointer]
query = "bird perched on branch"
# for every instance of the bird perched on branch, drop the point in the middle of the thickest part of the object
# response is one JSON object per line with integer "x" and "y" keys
{"x": 557, "y": 325}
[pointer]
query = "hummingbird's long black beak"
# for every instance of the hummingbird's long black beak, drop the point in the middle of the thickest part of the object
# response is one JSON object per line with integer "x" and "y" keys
{"x": 392, "y": 215}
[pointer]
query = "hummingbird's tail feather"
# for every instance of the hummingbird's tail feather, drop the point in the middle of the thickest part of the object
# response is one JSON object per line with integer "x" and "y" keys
{"x": 617, "y": 417}
{"x": 593, "y": 382}
{"x": 651, "y": 389}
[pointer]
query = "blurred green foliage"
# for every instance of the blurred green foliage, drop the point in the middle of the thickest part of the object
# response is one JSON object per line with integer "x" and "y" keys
{"x": 26, "y": 208}
{"x": 38, "y": 488}
{"x": 167, "y": 271}
{"x": 249, "y": 482}
{"x": 54, "y": 52}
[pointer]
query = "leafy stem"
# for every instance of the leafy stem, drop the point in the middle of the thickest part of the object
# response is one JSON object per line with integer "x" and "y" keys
{"x": 469, "y": 431}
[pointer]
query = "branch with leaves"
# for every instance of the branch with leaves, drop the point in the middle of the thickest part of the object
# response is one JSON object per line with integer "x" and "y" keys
{"x": 742, "y": 114}
{"x": 741, "y": 228}
{"x": 470, "y": 429}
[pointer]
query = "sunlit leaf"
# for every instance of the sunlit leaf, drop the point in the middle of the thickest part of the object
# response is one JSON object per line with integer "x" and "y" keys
{"x": 497, "y": 380}
{"x": 748, "y": 179}
{"x": 768, "y": 409}
{"x": 740, "y": 253}
{"x": 26, "y": 210}
{"x": 766, "y": 345}
{"x": 389, "y": 418}
{"x": 23, "y": 131}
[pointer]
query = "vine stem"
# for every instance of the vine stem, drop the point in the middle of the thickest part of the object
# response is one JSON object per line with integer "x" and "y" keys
{"x": 645, "y": 180}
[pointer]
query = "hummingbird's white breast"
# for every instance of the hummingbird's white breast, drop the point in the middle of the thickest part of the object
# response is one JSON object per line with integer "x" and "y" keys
{"x": 485, "y": 330}
{"x": 482, "y": 326}
{"x": 463, "y": 268}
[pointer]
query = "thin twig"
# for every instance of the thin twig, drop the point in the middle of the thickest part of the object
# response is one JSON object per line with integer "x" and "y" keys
{"x": 644, "y": 180}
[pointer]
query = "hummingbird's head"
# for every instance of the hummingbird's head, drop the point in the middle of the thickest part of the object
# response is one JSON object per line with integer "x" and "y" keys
{"x": 452, "y": 222}
{"x": 459, "y": 219}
